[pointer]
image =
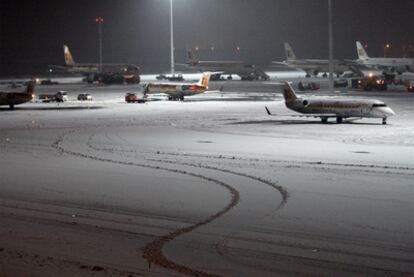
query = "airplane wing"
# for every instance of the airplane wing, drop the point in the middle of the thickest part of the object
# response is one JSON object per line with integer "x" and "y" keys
{"x": 301, "y": 115}
{"x": 220, "y": 90}
{"x": 57, "y": 67}
{"x": 280, "y": 63}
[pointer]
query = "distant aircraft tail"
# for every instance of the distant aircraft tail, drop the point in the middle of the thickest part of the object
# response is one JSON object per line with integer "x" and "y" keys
{"x": 30, "y": 87}
{"x": 290, "y": 55}
{"x": 288, "y": 93}
{"x": 362, "y": 54}
{"x": 68, "y": 56}
{"x": 204, "y": 79}
{"x": 190, "y": 58}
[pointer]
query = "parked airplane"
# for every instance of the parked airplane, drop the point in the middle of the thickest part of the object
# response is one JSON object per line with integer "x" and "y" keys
{"x": 177, "y": 91}
{"x": 245, "y": 71}
{"x": 106, "y": 73}
{"x": 334, "y": 108}
{"x": 399, "y": 65}
{"x": 15, "y": 98}
{"x": 313, "y": 66}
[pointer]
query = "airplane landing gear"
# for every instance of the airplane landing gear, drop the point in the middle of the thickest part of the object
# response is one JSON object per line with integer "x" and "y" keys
{"x": 339, "y": 120}
{"x": 11, "y": 106}
{"x": 176, "y": 98}
{"x": 324, "y": 120}
{"x": 384, "y": 121}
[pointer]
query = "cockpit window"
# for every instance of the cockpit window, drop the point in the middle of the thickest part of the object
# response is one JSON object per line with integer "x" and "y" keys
{"x": 379, "y": 105}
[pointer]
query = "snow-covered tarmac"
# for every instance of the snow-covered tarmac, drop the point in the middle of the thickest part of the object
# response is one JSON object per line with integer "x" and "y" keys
{"x": 211, "y": 186}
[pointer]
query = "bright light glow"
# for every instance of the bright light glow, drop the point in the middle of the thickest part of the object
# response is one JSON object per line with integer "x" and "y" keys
{"x": 370, "y": 75}
{"x": 99, "y": 20}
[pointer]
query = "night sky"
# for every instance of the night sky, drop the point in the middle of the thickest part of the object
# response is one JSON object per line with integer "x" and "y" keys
{"x": 137, "y": 31}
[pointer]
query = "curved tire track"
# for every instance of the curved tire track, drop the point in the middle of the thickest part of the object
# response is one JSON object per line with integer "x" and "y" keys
{"x": 153, "y": 251}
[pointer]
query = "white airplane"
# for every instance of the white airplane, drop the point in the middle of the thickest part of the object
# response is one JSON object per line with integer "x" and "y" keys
{"x": 390, "y": 64}
{"x": 109, "y": 72}
{"x": 313, "y": 66}
{"x": 334, "y": 108}
{"x": 15, "y": 98}
{"x": 246, "y": 71}
{"x": 177, "y": 91}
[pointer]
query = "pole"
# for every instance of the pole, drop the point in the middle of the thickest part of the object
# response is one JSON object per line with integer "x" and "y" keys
{"x": 331, "y": 88}
{"x": 99, "y": 20}
{"x": 172, "y": 36}
{"x": 100, "y": 47}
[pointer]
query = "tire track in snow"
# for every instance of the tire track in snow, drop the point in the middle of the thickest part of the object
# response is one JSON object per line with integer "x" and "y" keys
{"x": 222, "y": 244}
{"x": 153, "y": 251}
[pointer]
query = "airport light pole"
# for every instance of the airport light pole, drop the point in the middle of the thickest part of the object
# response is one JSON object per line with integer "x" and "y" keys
{"x": 331, "y": 88}
{"x": 99, "y": 20}
{"x": 172, "y": 36}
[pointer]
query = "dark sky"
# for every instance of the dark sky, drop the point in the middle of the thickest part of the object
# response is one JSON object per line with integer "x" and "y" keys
{"x": 137, "y": 31}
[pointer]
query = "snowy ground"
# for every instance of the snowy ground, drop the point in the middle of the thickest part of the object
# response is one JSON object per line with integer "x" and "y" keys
{"x": 211, "y": 186}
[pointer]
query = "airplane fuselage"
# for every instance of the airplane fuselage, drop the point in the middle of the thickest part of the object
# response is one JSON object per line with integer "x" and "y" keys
{"x": 15, "y": 98}
{"x": 344, "y": 108}
{"x": 399, "y": 64}
{"x": 93, "y": 68}
{"x": 317, "y": 65}
{"x": 176, "y": 89}
{"x": 245, "y": 71}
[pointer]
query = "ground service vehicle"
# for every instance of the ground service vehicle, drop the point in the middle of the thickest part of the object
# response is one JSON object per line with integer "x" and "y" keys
{"x": 60, "y": 96}
{"x": 131, "y": 97}
{"x": 85, "y": 97}
{"x": 370, "y": 83}
{"x": 308, "y": 86}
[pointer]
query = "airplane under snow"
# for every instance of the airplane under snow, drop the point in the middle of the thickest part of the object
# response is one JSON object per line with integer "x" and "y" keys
{"x": 314, "y": 66}
{"x": 246, "y": 71}
{"x": 177, "y": 91}
{"x": 15, "y": 98}
{"x": 127, "y": 72}
{"x": 390, "y": 64}
{"x": 340, "y": 109}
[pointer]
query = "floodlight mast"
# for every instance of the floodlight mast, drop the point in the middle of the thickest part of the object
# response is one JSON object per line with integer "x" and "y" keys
{"x": 172, "y": 36}
{"x": 99, "y": 20}
{"x": 331, "y": 87}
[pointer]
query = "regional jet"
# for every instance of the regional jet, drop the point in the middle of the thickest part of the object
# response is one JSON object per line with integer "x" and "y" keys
{"x": 313, "y": 66}
{"x": 245, "y": 71}
{"x": 106, "y": 72}
{"x": 15, "y": 98}
{"x": 334, "y": 108}
{"x": 177, "y": 91}
{"x": 399, "y": 65}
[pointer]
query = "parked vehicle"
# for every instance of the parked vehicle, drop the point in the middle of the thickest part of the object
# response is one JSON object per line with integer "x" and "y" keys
{"x": 60, "y": 96}
{"x": 370, "y": 83}
{"x": 131, "y": 97}
{"x": 308, "y": 86}
{"x": 341, "y": 83}
{"x": 85, "y": 97}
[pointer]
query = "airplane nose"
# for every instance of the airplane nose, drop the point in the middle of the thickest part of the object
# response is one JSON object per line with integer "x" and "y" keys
{"x": 387, "y": 111}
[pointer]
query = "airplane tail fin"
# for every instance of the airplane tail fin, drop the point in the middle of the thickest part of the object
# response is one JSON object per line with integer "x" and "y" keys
{"x": 190, "y": 58}
{"x": 362, "y": 54}
{"x": 288, "y": 93}
{"x": 68, "y": 56}
{"x": 204, "y": 79}
{"x": 290, "y": 55}
{"x": 30, "y": 87}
